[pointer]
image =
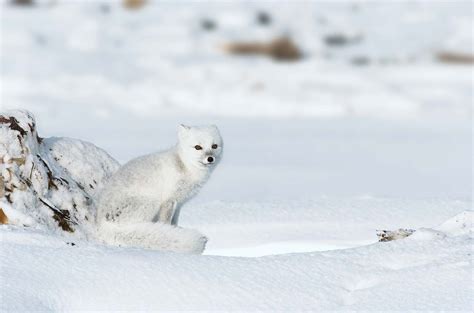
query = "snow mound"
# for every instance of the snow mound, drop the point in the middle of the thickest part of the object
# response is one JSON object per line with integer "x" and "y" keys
{"x": 48, "y": 182}
{"x": 427, "y": 234}
{"x": 459, "y": 225}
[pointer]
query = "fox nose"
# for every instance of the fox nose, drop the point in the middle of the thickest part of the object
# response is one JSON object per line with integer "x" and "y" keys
{"x": 210, "y": 159}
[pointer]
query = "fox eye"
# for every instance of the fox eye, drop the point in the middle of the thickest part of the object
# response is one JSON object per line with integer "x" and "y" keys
{"x": 214, "y": 146}
{"x": 197, "y": 147}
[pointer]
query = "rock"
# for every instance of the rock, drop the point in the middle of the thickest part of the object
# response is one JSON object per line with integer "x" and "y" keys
{"x": 390, "y": 235}
{"x": 3, "y": 217}
{"x": 50, "y": 181}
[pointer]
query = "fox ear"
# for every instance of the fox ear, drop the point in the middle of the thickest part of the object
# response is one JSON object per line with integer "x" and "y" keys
{"x": 182, "y": 127}
{"x": 182, "y": 131}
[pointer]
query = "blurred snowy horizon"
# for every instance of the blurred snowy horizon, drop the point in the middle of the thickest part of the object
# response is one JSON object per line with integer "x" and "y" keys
{"x": 99, "y": 60}
{"x": 368, "y": 110}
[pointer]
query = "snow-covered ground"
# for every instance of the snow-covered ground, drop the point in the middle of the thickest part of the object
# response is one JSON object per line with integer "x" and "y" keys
{"x": 419, "y": 273}
{"x": 319, "y": 154}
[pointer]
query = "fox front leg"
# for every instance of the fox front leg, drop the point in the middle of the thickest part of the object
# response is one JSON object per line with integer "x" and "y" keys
{"x": 166, "y": 212}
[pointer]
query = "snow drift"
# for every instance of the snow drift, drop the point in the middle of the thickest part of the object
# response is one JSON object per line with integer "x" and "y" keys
{"x": 52, "y": 184}
{"x": 403, "y": 275}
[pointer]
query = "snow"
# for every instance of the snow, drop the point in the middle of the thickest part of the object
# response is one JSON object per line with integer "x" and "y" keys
{"x": 327, "y": 223}
{"x": 133, "y": 62}
{"x": 320, "y": 154}
{"x": 400, "y": 275}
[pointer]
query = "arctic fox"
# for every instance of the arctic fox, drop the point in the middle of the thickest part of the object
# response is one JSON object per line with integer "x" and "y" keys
{"x": 140, "y": 204}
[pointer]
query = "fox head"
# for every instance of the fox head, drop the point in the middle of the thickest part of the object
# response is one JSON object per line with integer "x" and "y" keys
{"x": 200, "y": 146}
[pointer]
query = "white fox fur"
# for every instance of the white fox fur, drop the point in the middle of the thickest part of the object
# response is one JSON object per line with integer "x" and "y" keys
{"x": 153, "y": 236}
{"x": 140, "y": 204}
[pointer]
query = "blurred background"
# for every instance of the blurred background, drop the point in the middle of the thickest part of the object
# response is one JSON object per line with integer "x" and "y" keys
{"x": 314, "y": 99}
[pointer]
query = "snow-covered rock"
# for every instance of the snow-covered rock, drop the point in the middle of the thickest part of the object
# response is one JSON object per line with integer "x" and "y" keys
{"x": 48, "y": 183}
{"x": 389, "y": 235}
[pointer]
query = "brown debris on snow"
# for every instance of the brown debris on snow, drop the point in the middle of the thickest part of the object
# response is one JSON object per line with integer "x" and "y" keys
{"x": 283, "y": 49}
{"x": 134, "y": 4}
{"x": 455, "y": 57}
